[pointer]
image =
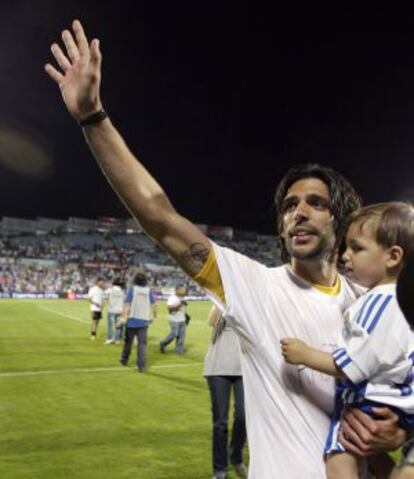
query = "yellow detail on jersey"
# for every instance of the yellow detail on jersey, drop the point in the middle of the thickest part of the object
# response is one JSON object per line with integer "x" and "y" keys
{"x": 209, "y": 277}
{"x": 331, "y": 290}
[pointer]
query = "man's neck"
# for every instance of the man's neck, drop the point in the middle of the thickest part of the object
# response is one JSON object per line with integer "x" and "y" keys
{"x": 323, "y": 272}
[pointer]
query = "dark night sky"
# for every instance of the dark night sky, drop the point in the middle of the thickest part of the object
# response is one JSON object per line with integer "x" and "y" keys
{"x": 217, "y": 101}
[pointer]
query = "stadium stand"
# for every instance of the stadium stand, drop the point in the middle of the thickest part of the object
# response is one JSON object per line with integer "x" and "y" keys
{"x": 58, "y": 257}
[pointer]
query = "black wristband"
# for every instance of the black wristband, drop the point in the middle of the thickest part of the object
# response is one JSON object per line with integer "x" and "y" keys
{"x": 94, "y": 118}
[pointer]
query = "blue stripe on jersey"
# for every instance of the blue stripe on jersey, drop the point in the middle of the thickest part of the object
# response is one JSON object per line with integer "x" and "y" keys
{"x": 345, "y": 362}
{"x": 405, "y": 389}
{"x": 371, "y": 307}
{"x": 338, "y": 353}
{"x": 410, "y": 377}
{"x": 384, "y": 304}
{"x": 361, "y": 311}
{"x": 361, "y": 388}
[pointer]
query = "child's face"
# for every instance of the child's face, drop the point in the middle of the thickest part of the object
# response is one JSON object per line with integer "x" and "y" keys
{"x": 365, "y": 260}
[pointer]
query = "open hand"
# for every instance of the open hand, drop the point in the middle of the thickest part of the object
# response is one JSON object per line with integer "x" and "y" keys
{"x": 79, "y": 77}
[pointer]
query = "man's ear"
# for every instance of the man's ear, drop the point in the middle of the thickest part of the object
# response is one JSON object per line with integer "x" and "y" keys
{"x": 395, "y": 256}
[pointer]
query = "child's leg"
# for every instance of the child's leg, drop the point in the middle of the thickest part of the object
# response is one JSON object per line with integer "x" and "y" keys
{"x": 406, "y": 472}
{"x": 342, "y": 465}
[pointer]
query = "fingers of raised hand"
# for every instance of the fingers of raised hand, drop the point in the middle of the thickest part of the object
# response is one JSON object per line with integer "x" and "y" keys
{"x": 70, "y": 45}
{"x": 53, "y": 73}
{"x": 96, "y": 56}
{"x": 60, "y": 57}
{"x": 81, "y": 40}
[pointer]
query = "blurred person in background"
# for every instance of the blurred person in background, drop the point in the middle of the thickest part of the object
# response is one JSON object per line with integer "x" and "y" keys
{"x": 177, "y": 311}
{"x": 115, "y": 295}
{"x": 139, "y": 311}
{"x": 222, "y": 370}
{"x": 96, "y": 296}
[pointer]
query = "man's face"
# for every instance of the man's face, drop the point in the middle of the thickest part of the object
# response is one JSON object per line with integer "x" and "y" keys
{"x": 308, "y": 223}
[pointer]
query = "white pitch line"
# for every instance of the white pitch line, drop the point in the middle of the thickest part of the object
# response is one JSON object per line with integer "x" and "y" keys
{"x": 75, "y": 318}
{"x": 89, "y": 370}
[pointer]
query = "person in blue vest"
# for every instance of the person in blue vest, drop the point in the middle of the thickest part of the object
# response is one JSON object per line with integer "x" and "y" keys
{"x": 139, "y": 310}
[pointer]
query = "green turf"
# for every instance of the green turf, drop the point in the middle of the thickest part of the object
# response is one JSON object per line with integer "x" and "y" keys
{"x": 69, "y": 410}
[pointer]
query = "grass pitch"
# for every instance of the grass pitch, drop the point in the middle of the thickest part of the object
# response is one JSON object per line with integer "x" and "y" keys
{"x": 69, "y": 410}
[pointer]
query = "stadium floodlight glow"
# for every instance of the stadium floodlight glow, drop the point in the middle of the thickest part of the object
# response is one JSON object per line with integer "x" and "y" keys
{"x": 25, "y": 153}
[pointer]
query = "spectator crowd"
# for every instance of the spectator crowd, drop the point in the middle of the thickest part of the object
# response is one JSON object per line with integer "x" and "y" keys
{"x": 71, "y": 262}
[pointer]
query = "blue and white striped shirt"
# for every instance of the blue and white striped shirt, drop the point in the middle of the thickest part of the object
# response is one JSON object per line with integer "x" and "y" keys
{"x": 375, "y": 351}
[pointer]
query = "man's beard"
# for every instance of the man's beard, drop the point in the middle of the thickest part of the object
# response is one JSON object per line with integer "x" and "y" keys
{"x": 322, "y": 250}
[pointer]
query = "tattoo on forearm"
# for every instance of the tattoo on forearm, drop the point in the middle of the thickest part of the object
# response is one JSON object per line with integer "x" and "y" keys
{"x": 195, "y": 257}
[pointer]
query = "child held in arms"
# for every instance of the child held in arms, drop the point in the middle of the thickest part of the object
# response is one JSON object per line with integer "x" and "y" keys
{"x": 373, "y": 360}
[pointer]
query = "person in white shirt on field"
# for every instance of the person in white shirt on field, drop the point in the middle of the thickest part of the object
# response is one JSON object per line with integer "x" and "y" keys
{"x": 177, "y": 307}
{"x": 96, "y": 296}
{"x": 115, "y": 296}
{"x": 287, "y": 408}
{"x": 374, "y": 359}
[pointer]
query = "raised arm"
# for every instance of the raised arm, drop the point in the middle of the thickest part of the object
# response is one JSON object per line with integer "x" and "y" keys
{"x": 79, "y": 81}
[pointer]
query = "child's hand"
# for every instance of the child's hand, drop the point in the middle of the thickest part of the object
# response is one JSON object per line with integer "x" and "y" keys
{"x": 293, "y": 350}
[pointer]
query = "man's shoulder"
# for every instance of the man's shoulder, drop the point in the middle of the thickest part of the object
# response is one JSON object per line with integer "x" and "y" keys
{"x": 229, "y": 255}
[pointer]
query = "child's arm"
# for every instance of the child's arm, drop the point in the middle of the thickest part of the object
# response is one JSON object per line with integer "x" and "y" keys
{"x": 296, "y": 351}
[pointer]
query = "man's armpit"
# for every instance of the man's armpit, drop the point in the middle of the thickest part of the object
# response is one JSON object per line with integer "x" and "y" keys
{"x": 209, "y": 277}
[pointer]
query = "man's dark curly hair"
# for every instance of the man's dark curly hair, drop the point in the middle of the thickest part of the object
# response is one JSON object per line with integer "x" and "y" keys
{"x": 344, "y": 199}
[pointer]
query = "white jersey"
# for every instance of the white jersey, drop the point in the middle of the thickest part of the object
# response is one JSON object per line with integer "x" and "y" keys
{"x": 96, "y": 295}
{"x": 115, "y": 297}
{"x": 179, "y": 315}
{"x": 376, "y": 348}
{"x": 287, "y": 406}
